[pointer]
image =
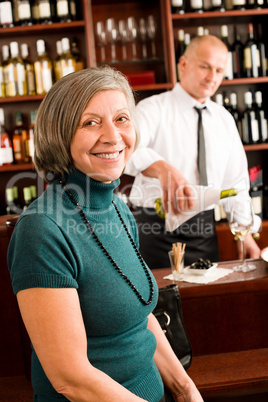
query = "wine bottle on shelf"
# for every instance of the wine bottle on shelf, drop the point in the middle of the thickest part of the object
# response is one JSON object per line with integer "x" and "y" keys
{"x": 237, "y": 55}
{"x": 65, "y": 10}
{"x": 20, "y": 141}
{"x": 30, "y": 78}
{"x": 251, "y": 55}
{"x": 35, "y": 12}
{"x": 207, "y": 5}
{"x": 262, "y": 71}
{"x": 200, "y": 31}
{"x": 228, "y": 72}
{"x": 10, "y": 202}
{"x": 17, "y": 204}
{"x": 79, "y": 61}
{"x": 178, "y": 6}
{"x": 6, "y": 14}
{"x": 239, "y": 4}
{"x": 226, "y": 101}
{"x": 218, "y": 5}
{"x": 43, "y": 69}
{"x": 219, "y": 99}
{"x": 256, "y": 189}
{"x": 250, "y": 4}
{"x": 46, "y": 11}
{"x": 27, "y": 197}
{"x": 260, "y": 117}
{"x": 235, "y": 113}
{"x": 56, "y": 63}
{"x": 6, "y": 153}
{"x": 187, "y": 39}
{"x": 250, "y": 124}
{"x": 24, "y": 13}
{"x": 31, "y": 134}
{"x": 259, "y": 4}
{"x": 180, "y": 50}
{"x": 16, "y": 75}
{"x": 197, "y": 6}
{"x": 67, "y": 61}
{"x": 5, "y": 59}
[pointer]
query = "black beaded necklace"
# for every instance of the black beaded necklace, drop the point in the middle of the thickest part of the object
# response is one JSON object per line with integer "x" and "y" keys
{"x": 100, "y": 244}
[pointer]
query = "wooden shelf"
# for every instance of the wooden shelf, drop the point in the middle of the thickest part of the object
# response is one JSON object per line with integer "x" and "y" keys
{"x": 39, "y": 28}
{"x": 16, "y": 168}
{"x": 256, "y": 147}
{"x": 245, "y": 81}
{"x": 217, "y": 14}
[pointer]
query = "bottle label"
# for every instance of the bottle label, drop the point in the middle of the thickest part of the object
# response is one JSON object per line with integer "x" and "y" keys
{"x": 177, "y": 3}
{"x": 239, "y": 2}
{"x": 46, "y": 77}
{"x": 255, "y": 60}
{"x": 73, "y": 8}
{"x": 247, "y": 58}
{"x": 6, "y": 155}
{"x": 6, "y": 13}
{"x": 67, "y": 67}
{"x": 264, "y": 129}
{"x": 30, "y": 82}
{"x": 31, "y": 147}
{"x": 24, "y": 11}
{"x": 21, "y": 79}
{"x": 257, "y": 204}
{"x": 17, "y": 149}
{"x": 216, "y": 3}
{"x": 44, "y": 9}
{"x": 228, "y": 73}
{"x": 196, "y": 4}
{"x": 62, "y": 8}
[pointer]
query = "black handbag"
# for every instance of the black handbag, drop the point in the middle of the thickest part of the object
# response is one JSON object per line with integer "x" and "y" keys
{"x": 168, "y": 312}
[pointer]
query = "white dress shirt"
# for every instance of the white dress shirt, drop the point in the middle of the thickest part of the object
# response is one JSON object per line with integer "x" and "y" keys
{"x": 168, "y": 131}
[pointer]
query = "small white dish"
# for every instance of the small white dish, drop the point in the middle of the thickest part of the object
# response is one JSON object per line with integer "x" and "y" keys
{"x": 193, "y": 271}
{"x": 264, "y": 254}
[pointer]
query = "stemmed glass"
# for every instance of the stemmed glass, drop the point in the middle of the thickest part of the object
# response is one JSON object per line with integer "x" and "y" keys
{"x": 143, "y": 36}
{"x": 241, "y": 221}
{"x": 101, "y": 38}
{"x": 123, "y": 37}
{"x": 112, "y": 36}
{"x": 132, "y": 33}
{"x": 151, "y": 30}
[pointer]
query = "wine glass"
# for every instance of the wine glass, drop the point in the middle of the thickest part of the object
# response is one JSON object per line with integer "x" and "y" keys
{"x": 151, "y": 30}
{"x": 112, "y": 36}
{"x": 123, "y": 37}
{"x": 101, "y": 39}
{"x": 132, "y": 33}
{"x": 143, "y": 36}
{"x": 241, "y": 221}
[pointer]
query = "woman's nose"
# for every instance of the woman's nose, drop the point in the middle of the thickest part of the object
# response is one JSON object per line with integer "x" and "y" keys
{"x": 110, "y": 134}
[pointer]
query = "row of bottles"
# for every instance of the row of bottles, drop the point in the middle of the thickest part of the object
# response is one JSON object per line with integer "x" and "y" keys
{"x": 17, "y": 146}
{"x": 252, "y": 122}
{"x": 20, "y": 76}
{"x": 199, "y": 6}
{"x": 13, "y": 205}
{"x": 28, "y": 12}
{"x": 247, "y": 59}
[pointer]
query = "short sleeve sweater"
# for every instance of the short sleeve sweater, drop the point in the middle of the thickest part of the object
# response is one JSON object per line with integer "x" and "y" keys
{"x": 51, "y": 247}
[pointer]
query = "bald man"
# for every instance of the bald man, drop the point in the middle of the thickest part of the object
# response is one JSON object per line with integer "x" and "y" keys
{"x": 165, "y": 163}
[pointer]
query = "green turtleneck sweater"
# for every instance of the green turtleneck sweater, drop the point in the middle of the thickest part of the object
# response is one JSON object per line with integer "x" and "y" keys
{"x": 51, "y": 247}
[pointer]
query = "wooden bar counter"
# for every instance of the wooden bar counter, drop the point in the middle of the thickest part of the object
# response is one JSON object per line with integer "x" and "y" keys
{"x": 230, "y": 314}
{"x": 227, "y": 324}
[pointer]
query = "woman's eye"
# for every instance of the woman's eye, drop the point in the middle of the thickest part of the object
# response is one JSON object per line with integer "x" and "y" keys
{"x": 89, "y": 123}
{"x": 123, "y": 119}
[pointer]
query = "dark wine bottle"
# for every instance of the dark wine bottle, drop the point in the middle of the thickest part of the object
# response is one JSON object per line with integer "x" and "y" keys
{"x": 178, "y": 6}
{"x": 6, "y": 14}
{"x": 197, "y": 6}
{"x": 239, "y": 4}
{"x": 226, "y": 101}
{"x": 260, "y": 117}
{"x": 228, "y": 73}
{"x": 24, "y": 13}
{"x": 251, "y": 55}
{"x": 180, "y": 50}
{"x": 218, "y": 5}
{"x": 235, "y": 113}
{"x": 46, "y": 11}
{"x": 262, "y": 55}
{"x": 237, "y": 55}
{"x": 250, "y": 124}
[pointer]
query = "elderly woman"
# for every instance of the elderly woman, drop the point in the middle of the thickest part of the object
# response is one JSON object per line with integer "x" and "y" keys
{"x": 85, "y": 294}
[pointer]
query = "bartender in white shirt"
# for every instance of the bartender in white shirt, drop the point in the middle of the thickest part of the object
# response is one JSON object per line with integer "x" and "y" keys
{"x": 165, "y": 163}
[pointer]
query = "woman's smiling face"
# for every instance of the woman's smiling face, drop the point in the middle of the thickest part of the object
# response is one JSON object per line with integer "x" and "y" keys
{"x": 105, "y": 137}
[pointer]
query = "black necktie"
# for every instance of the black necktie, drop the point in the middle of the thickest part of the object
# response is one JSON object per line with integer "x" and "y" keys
{"x": 201, "y": 150}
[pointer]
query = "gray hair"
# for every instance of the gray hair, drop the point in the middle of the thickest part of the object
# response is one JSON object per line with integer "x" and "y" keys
{"x": 60, "y": 111}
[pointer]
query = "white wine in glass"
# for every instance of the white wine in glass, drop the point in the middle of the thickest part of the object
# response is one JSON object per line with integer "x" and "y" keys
{"x": 241, "y": 221}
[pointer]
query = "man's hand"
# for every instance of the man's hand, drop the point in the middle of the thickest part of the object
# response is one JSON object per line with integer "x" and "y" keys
{"x": 176, "y": 190}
